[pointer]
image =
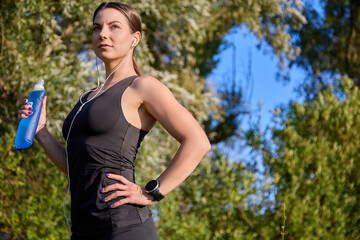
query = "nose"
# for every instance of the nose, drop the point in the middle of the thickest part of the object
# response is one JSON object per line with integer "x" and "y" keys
{"x": 103, "y": 34}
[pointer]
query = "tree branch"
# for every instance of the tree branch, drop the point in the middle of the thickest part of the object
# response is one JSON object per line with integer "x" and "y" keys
{"x": 2, "y": 38}
{"x": 64, "y": 34}
{"x": 243, "y": 215}
{"x": 220, "y": 12}
{"x": 351, "y": 38}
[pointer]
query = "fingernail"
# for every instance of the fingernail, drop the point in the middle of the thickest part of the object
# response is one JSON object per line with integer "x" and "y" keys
{"x": 111, "y": 206}
{"x": 30, "y": 108}
{"x": 107, "y": 174}
{"x": 101, "y": 190}
{"x": 26, "y": 115}
{"x": 104, "y": 199}
{"x": 30, "y": 113}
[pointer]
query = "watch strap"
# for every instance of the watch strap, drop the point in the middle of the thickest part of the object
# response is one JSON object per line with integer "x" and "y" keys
{"x": 157, "y": 195}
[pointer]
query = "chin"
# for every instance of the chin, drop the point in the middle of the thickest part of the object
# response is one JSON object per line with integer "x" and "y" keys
{"x": 105, "y": 57}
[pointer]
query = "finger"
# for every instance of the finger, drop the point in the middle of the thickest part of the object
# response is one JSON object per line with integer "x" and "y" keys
{"x": 44, "y": 102}
{"x": 116, "y": 195}
{"x": 119, "y": 178}
{"x": 27, "y": 111}
{"x": 23, "y": 114}
{"x": 114, "y": 187}
{"x": 121, "y": 202}
{"x": 26, "y": 107}
{"x": 19, "y": 117}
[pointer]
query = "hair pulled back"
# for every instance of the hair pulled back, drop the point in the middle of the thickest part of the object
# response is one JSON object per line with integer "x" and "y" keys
{"x": 133, "y": 18}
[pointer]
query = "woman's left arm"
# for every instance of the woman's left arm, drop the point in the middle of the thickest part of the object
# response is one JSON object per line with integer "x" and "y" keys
{"x": 162, "y": 105}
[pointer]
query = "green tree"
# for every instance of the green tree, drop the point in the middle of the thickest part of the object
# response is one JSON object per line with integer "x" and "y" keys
{"x": 312, "y": 155}
{"x": 212, "y": 204}
{"x": 313, "y": 161}
{"x": 329, "y": 43}
{"x": 51, "y": 40}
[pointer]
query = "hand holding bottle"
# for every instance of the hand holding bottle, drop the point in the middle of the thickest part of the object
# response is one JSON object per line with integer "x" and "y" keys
{"x": 26, "y": 111}
{"x": 30, "y": 116}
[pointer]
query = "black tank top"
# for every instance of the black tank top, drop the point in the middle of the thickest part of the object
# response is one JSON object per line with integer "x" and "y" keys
{"x": 101, "y": 141}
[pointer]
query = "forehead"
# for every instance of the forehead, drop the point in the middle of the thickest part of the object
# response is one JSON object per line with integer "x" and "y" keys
{"x": 110, "y": 15}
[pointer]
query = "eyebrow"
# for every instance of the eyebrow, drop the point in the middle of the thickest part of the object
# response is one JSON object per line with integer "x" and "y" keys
{"x": 109, "y": 23}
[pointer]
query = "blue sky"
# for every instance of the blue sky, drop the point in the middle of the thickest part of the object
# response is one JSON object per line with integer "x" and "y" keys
{"x": 262, "y": 65}
{"x": 264, "y": 87}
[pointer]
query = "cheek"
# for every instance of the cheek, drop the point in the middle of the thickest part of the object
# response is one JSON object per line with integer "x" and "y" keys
{"x": 122, "y": 38}
{"x": 94, "y": 38}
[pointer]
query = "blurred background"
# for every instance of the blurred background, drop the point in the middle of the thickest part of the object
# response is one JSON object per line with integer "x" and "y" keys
{"x": 274, "y": 83}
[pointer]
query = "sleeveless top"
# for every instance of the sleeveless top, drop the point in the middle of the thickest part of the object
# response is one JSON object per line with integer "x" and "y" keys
{"x": 101, "y": 141}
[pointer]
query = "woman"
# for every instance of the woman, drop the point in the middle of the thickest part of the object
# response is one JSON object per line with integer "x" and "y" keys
{"x": 104, "y": 131}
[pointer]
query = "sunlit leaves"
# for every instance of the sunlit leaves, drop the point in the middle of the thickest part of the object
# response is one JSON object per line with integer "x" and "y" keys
{"x": 314, "y": 165}
{"x": 52, "y": 40}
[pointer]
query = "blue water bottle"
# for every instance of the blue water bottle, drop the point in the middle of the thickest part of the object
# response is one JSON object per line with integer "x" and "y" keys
{"x": 27, "y": 126}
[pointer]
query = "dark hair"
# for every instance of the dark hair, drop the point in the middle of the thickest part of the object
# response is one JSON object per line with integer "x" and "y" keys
{"x": 131, "y": 15}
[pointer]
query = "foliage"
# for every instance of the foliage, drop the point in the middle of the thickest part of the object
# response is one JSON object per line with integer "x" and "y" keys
{"x": 51, "y": 40}
{"x": 314, "y": 166}
{"x": 329, "y": 43}
{"x": 211, "y": 204}
{"x": 35, "y": 45}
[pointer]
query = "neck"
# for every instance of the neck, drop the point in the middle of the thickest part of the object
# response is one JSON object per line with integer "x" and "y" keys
{"x": 122, "y": 70}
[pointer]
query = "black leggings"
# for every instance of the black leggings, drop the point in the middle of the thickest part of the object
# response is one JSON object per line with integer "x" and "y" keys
{"x": 144, "y": 231}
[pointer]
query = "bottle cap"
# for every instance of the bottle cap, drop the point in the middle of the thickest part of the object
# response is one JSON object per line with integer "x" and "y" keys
{"x": 39, "y": 85}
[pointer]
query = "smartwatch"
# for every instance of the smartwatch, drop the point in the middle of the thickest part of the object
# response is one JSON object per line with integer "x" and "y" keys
{"x": 152, "y": 188}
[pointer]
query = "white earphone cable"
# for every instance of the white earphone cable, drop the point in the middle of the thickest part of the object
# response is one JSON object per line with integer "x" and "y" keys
{"x": 82, "y": 105}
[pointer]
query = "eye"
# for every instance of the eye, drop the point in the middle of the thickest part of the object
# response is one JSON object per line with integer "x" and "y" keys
{"x": 96, "y": 28}
{"x": 114, "y": 26}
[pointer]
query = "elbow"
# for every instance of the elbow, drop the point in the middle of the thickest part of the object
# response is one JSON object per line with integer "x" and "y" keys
{"x": 200, "y": 144}
{"x": 203, "y": 143}
{"x": 206, "y": 146}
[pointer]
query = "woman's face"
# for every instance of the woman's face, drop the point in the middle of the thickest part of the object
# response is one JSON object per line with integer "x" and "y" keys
{"x": 112, "y": 36}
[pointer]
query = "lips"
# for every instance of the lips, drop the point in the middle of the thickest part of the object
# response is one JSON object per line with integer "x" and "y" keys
{"x": 103, "y": 45}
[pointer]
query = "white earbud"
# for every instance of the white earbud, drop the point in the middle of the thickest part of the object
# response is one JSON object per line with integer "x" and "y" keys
{"x": 133, "y": 44}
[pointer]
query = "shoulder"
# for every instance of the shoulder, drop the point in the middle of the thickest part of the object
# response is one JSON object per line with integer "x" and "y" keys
{"x": 149, "y": 87}
{"x": 146, "y": 81}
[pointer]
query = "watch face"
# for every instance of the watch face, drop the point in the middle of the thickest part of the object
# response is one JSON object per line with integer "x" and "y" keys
{"x": 150, "y": 186}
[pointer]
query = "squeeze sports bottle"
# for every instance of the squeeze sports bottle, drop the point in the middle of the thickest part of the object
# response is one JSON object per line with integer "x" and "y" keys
{"x": 27, "y": 126}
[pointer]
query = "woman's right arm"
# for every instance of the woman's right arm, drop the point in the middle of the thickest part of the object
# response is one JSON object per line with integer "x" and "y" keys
{"x": 52, "y": 147}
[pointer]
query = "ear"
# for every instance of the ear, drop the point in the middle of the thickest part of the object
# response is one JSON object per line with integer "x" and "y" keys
{"x": 137, "y": 36}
